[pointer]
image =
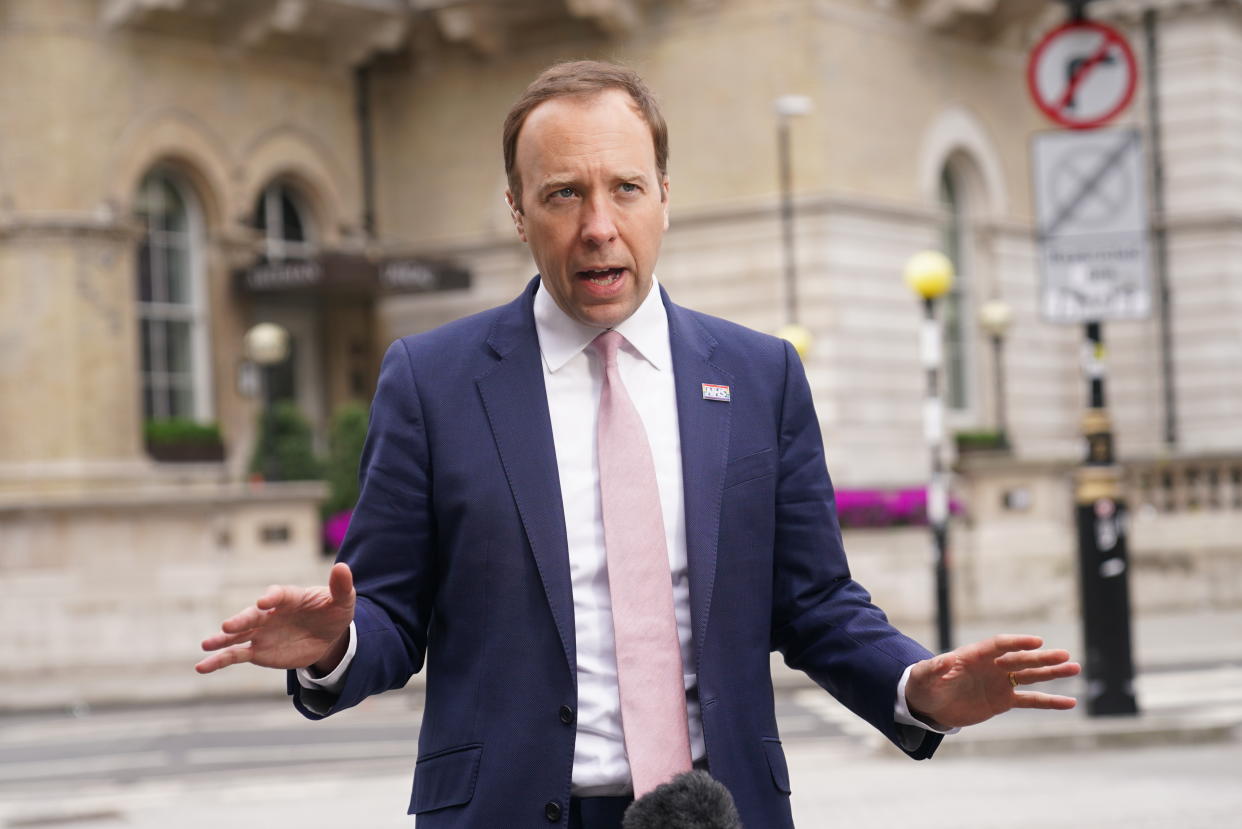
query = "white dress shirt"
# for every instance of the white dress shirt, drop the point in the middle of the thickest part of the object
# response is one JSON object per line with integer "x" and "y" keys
{"x": 573, "y": 378}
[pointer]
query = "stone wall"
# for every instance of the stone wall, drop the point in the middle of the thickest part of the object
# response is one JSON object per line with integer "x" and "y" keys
{"x": 106, "y": 597}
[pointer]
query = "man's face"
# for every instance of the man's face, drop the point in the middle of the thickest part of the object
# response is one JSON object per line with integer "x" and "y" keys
{"x": 594, "y": 208}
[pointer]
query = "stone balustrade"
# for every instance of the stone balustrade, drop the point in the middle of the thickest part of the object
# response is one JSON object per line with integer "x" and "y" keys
{"x": 1208, "y": 484}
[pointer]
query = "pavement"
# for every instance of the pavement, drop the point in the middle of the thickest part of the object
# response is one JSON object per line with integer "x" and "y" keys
{"x": 254, "y": 762}
{"x": 1188, "y": 684}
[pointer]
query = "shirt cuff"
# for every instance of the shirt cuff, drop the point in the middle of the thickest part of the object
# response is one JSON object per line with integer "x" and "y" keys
{"x": 901, "y": 711}
{"x": 333, "y": 682}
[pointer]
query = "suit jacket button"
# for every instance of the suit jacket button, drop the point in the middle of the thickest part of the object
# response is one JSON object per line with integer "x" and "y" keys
{"x": 567, "y": 715}
{"x": 552, "y": 811}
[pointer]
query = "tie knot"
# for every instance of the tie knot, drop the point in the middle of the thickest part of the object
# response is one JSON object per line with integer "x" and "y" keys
{"x": 606, "y": 346}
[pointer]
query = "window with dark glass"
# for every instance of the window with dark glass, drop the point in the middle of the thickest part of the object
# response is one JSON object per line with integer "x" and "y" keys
{"x": 169, "y": 312}
{"x": 954, "y": 306}
{"x": 280, "y": 215}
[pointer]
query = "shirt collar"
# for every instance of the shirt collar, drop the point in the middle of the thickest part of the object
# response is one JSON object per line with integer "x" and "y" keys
{"x": 561, "y": 337}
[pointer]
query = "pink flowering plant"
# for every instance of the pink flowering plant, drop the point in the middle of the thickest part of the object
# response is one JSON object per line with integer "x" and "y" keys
{"x": 349, "y": 433}
{"x": 334, "y": 527}
{"x": 875, "y": 508}
{"x": 856, "y": 509}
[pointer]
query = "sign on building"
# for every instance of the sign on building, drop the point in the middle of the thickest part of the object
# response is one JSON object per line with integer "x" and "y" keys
{"x": 1082, "y": 74}
{"x": 344, "y": 275}
{"x": 1091, "y": 220}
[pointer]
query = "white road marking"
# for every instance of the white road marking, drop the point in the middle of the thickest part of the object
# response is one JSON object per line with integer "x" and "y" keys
{"x": 30, "y": 770}
{"x": 304, "y": 751}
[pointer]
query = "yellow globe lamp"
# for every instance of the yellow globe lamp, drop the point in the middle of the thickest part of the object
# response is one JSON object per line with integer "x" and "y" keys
{"x": 929, "y": 274}
{"x": 798, "y": 337}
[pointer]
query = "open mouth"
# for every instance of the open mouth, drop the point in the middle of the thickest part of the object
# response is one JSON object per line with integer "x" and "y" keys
{"x": 602, "y": 277}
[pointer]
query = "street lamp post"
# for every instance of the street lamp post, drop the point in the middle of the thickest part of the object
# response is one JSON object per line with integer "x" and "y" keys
{"x": 930, "y": 275}
{"x": 787, "y": 108}
{"x": 996, "y": 316}
{"x": 266, "y": 345}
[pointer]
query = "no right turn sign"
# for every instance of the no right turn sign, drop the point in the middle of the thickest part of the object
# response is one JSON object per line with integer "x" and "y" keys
{"x": 1082, "y": 74}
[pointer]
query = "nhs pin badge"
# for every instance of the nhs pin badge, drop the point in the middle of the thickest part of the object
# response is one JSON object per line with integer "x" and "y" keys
{"x": 713, "y": 392}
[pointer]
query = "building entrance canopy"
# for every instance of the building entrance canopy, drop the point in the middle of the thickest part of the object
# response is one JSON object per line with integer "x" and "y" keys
{"x": 349, "y": 276}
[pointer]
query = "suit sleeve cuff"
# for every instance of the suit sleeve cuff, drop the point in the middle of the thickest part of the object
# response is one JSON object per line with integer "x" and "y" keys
{"x": 333, "y": 682}
{"x": 911, "y": 729}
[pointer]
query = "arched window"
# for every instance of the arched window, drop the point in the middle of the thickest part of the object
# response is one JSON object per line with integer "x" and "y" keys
{"x": 956, "y": 318}
{"x": 281, "y": 215}
{"x": 172, "y": 304}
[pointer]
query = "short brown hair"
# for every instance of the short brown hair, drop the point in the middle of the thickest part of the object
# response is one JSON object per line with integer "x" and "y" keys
{"x": 582, "y": 77}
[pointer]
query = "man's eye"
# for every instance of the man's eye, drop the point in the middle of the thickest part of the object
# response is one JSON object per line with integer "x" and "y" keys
{"x": 629, "y": 187}
{"x": 563, "y": 193}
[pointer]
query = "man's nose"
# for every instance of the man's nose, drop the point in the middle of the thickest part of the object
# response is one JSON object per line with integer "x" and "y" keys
{"x": 598, "y": 223}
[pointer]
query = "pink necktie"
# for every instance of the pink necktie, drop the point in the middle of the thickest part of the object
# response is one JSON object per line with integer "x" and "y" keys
{"x": 649, "y": 670}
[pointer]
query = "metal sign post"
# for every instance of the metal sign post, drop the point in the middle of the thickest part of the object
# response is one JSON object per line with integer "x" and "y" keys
{"x": 1092, "y": 232}
{"x": 1103, "y": 554}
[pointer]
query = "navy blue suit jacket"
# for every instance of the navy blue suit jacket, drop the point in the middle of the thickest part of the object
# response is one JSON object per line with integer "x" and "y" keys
{"x": 458, "y": 551}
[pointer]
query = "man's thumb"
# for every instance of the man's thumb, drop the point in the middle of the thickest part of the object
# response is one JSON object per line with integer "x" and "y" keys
{"x": 341, "y": 582}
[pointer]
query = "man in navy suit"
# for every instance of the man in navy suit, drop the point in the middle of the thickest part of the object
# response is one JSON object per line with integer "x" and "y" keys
{"x": 477, "y": 542}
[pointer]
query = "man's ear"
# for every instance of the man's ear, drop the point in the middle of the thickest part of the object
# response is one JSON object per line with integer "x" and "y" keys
{"x": 664, "y": 198}
{"x": 516, "y": 215}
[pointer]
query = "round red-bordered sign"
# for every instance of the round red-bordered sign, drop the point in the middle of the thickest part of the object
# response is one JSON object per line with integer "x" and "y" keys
{"x": 1082, "y": 74}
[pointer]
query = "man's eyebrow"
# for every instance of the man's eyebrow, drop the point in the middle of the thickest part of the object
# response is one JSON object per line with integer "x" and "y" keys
{"x": 631, "y": 175}
{"x": 556, "y": 182}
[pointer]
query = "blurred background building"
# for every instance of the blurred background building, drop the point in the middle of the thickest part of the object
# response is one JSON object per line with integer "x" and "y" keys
{"x": 173, "y": 172}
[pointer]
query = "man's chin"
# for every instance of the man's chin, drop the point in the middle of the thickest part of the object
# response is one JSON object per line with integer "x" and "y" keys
{"x": 605, "y": 314}
{"x": 604, "y": 321}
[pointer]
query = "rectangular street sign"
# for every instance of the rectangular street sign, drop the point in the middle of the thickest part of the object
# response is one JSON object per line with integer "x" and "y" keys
{"x": 1091, "y": 219}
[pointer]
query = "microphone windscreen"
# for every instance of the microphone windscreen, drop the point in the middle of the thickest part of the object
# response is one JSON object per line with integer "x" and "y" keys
{"x": 692, "y": 800}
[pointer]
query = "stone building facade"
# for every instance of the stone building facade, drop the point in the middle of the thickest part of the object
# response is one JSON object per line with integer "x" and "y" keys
{"x": 175, "y": 171}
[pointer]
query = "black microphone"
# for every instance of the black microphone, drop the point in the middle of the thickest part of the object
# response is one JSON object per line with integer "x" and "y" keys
{"x": 692, "y": 800}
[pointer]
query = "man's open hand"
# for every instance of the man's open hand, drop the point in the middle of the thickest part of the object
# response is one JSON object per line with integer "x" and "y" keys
{"x": 288, "y": 627}
{"x": 972, "y": 683}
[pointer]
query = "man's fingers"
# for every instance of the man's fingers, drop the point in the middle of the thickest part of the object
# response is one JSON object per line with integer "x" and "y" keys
{"x": 1034, "y": 699}
{"x": 1022, "y": 660}
{"x": 340, "y": 582}
{"x": 224, "y": 640}
{"x": 224, "y": 658}
{"x": 1009, "y": 642}
{"x": 1034, "y": 675}
{"x": 248, "y": 619}
{"x": 273, "y": 596}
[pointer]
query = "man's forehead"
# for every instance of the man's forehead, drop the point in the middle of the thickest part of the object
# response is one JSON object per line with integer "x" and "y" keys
{"x": 551, "y": 126}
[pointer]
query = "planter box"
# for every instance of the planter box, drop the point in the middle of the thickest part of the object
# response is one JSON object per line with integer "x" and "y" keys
{"x": 985, "y": 442}
{"x": 186, "y": 452}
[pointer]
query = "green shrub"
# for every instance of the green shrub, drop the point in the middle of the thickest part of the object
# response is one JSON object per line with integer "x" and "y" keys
{"x": 285, "y": 448}
{"x": 180, "y": 431}
{"x": 980, "y": 439}
{"x": 348, "y": 433}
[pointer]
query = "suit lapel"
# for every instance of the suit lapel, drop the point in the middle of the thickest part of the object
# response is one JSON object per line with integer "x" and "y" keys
{"x": 704, "y": 429}
{"x": 517, "y": 409}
